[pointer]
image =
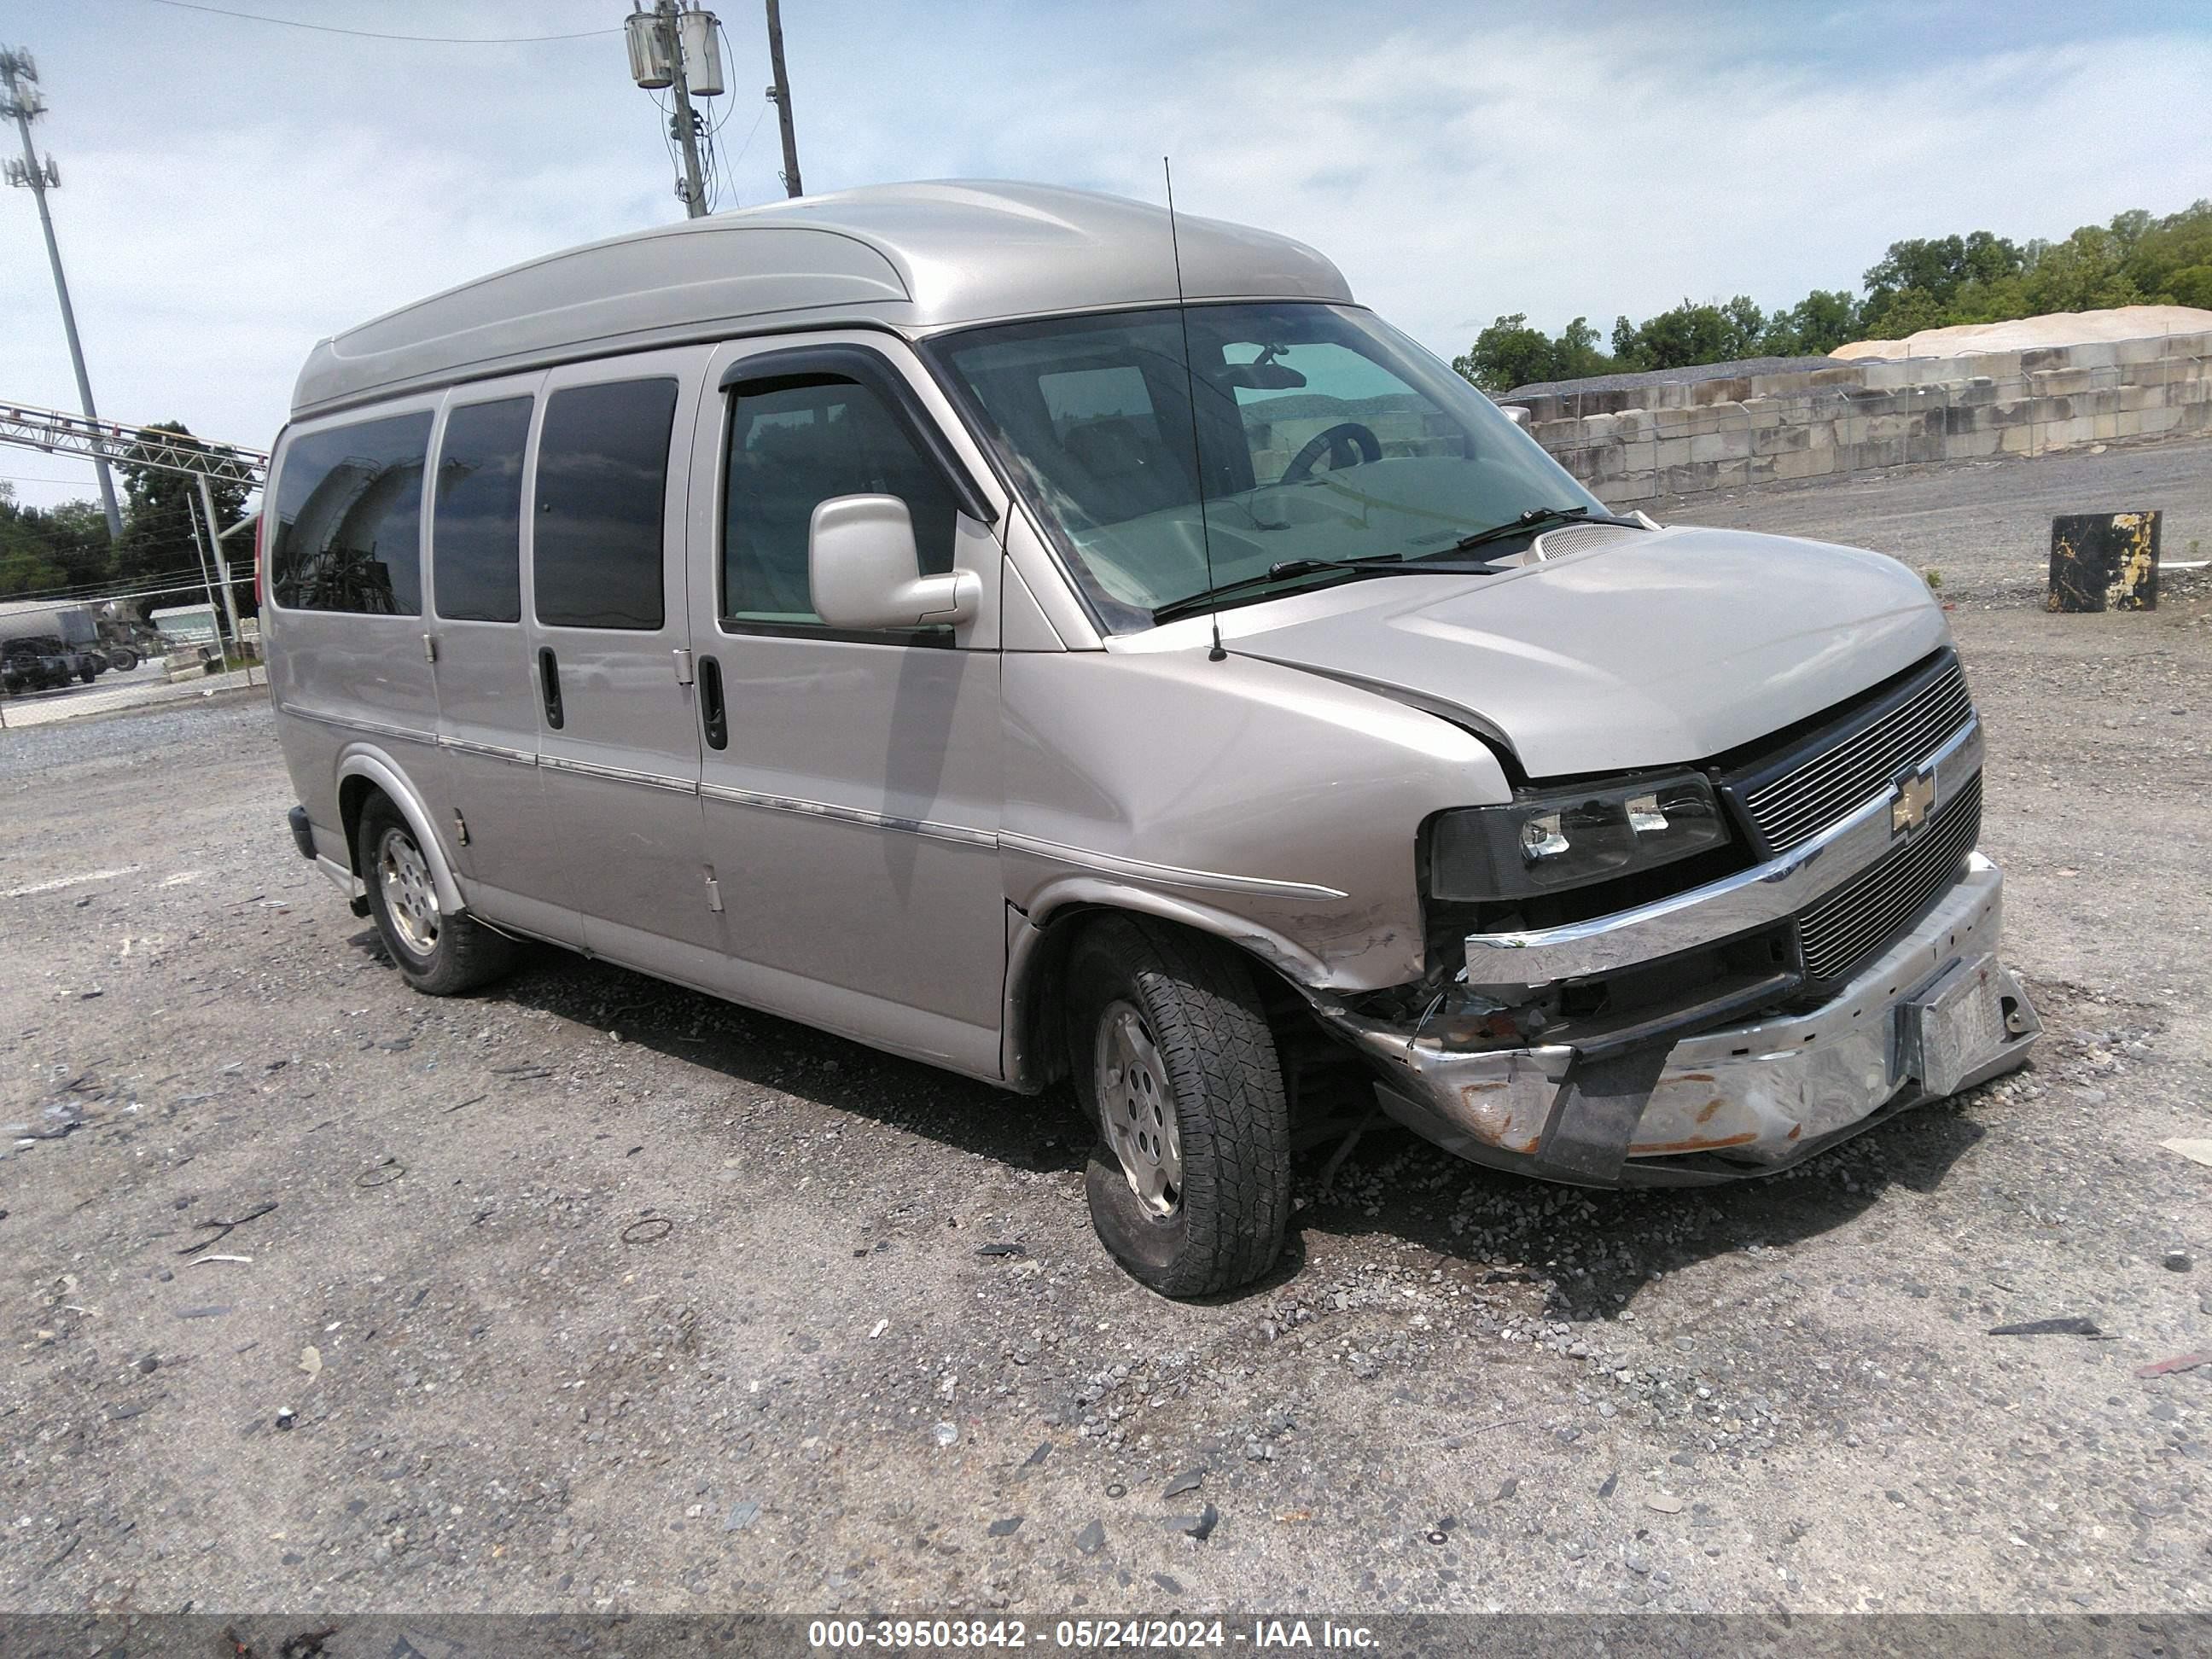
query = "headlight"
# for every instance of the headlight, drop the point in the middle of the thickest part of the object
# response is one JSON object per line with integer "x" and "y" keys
{"x": 1570, "y": 838}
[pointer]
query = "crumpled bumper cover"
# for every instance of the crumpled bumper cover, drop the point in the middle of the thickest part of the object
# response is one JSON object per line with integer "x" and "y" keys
{"x": 1935, "y": 1014}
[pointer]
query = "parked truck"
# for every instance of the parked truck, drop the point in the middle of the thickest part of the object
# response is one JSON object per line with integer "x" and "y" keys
{"x": 40, "y": 662}
{"x": 106, "y": 633}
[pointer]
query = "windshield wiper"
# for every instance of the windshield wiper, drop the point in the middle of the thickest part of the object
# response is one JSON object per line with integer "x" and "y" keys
{"x": 1378, "y": 564}
{"x": 1536, "y": 517}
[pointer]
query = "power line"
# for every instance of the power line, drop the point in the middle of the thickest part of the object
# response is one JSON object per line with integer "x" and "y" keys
{"x": 373, "y": 35}
{"x": 126, "y": 587}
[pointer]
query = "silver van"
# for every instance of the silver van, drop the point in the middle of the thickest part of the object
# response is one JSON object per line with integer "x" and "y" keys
{"x": 999, "y": 626}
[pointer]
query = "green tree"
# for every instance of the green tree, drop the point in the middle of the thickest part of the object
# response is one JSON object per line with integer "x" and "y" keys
{"x": 1690, "y": 333}
{"x": 44, "y": 548}
{"x": 2191, "y": 286}
{"x": 2082, "y": 273}
{"x": 1815, "y": 325}
{"x": 160, "y": 514}
{"x": 1921, "y": 282}
{"x": 1511, "y": 353}
{"x": 1507, "y": 353}
{"x": 1575, "y": 355}
{"x": 25, "y": 569}
{"x": 1906, "y": 313}
{"x": 2170, "y": 259}
{"x": 1919, "y": 278}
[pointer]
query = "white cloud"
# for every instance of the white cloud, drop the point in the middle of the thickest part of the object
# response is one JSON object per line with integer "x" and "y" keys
{"x": 233, "y": 191}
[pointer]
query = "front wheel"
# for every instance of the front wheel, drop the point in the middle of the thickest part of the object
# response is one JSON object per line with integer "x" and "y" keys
{"x": 1190, "y": 1185}
{"x": 439, "y": 953}
{"x": 123, "y": 659}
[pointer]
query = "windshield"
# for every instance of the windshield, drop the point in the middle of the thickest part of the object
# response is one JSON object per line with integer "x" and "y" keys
{"x": 1323, "y": 434}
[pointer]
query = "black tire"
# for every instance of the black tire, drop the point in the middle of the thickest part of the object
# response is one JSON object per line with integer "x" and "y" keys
{"x": 440, "y": 954}
{"x": 1196, "y": 1003}
{"x": 85, "y": 673}
{"x": 123, "y": 659}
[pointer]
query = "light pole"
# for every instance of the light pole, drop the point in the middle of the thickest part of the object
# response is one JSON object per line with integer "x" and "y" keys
{"x": 20, "y": 76}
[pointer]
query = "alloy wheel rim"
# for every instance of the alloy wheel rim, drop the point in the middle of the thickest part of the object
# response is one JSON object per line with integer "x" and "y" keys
{"x": 410, "y": 898}
{"x": 1137, "y": 1111}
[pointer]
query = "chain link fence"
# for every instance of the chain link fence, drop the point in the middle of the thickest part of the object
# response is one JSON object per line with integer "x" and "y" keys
{"x": 83, "y": 658}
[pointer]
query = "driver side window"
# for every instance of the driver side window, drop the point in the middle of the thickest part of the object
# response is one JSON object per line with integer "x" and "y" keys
{"x": 793, "y": 445}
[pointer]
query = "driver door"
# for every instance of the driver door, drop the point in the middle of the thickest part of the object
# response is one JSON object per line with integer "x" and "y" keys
{"x": 850, "y": 782}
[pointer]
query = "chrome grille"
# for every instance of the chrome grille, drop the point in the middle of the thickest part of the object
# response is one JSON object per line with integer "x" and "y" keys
{"x": 1857, "y": 767}
{"x": 1843, "y": 931}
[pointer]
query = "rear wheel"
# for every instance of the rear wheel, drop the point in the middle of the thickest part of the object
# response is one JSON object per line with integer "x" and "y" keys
{"x": 440, "y": 953}
{"x": 123, "y": 659}
{"x": 1190, "y": 1185}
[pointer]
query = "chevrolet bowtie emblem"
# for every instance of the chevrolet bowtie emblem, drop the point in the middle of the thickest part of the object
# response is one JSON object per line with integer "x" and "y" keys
{"x": 1915, "y": 796}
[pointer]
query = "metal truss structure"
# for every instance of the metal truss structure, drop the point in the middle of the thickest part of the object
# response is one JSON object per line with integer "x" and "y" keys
{"x": 59, "y": 434}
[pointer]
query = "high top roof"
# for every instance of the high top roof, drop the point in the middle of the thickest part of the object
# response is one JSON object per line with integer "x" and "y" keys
{"x": 916, "y": 258}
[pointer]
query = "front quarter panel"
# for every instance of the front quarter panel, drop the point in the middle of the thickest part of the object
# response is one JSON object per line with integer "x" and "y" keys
{"x": 1260, "y": 802}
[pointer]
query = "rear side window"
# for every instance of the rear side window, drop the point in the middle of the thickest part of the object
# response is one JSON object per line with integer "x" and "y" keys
{"x": 793, "y": 446}
{"x": 475, "y": 524}
{"x": 349, "y": 518}
{"x": 602, "y": 489}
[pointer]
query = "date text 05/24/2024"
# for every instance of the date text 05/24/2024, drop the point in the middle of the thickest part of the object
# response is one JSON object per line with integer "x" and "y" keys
{"x": 1087, "y": 1635}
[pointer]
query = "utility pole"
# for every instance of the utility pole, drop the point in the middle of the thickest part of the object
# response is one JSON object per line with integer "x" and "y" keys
{"x": 207, "y": 577}
{"x": 687, "y": 131}
{"x": 221, "y": 564}
{"x": 676, "y": 46}
{"x": 20, "y": 77}
{"x": 780, "y": 92}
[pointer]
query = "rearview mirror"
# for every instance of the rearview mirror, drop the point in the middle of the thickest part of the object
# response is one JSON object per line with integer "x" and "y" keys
{"x": 1263, "y": 377}
{"x": 865, "y": 573}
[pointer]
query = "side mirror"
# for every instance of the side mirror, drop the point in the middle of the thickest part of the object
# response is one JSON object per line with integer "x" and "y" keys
{"x": 865, "y": 572}
{"x": 1514, "y": 413}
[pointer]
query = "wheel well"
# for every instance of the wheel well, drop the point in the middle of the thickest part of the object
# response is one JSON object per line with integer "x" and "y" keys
{"x": 353, "y": 799}
{"x": 1314, "y": 1060}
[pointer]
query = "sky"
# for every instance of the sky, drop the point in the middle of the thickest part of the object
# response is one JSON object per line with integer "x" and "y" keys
{"x": 232, "y": 191}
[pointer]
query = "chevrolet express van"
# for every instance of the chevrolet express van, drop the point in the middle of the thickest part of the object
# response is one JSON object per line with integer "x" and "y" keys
{"x": 943, "y": 615}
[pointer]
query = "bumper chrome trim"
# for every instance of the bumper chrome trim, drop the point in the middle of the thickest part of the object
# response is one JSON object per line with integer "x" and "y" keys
{"x": 1721, "y": 909}
{"x": 1936, "y": 1012}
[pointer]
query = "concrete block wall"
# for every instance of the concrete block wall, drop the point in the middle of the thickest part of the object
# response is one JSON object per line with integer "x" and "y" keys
{"x": 1685, "y": 437}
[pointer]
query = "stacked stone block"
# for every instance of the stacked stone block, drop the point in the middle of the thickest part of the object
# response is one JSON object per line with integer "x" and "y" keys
{"x": 1686, "y": 437}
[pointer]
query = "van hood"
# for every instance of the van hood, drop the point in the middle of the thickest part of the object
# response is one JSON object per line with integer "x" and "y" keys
{"x": 1655, "y": 648}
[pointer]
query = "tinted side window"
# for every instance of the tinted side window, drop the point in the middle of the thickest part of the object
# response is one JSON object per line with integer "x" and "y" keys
{"x": 349, "y": 518}
{"x": 793, "y": 445}
{"x": 475, "y": 522}
{"x": 602, "y": 486}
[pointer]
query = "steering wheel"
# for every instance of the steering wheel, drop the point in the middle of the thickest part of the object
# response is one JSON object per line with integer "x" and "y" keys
{"x": 1336, "y": 440}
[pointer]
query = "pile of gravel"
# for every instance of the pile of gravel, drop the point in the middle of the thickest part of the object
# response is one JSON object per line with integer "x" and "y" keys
{"x": 1664, "y": 376}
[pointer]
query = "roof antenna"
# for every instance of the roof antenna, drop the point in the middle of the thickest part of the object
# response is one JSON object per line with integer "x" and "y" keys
{"x": 1190, "y": 392}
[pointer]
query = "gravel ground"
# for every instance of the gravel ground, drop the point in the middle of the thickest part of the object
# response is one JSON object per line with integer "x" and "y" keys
{"x": 593, "y": 1294}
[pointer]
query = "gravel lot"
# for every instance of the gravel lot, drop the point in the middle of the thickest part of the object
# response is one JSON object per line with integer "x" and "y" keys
{"x": 591, "y": 1293}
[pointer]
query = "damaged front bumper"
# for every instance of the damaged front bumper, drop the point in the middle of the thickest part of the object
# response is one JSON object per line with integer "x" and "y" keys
{"x": 1936, "y": 1014}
